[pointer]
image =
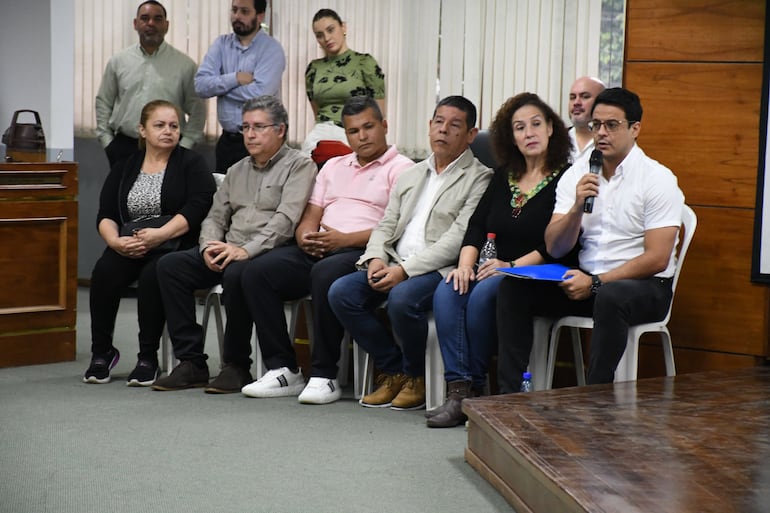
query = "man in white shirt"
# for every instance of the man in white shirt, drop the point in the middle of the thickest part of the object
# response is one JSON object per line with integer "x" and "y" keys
{"x": 627, "y": 248}
{"x": 415, "y": 245}
{"x": 581, "y": 101}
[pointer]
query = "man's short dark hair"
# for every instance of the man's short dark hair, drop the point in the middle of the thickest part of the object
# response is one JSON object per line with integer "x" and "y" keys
{"x": 623, "y": 99}
{"x": 462, "y": 103}
{"x": 152, "y": 2}
{"x": 260, "y": 6}
{"x": 357, "y": 104}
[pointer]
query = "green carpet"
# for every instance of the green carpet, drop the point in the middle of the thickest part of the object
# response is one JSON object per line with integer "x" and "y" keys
{"x": 66, "y": 446}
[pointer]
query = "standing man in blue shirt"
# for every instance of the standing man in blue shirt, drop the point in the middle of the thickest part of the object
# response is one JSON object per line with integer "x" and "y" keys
{"x": 244, "y": 64}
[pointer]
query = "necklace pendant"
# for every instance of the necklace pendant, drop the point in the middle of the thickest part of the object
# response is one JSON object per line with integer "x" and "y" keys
{"x": 515, "y": 212}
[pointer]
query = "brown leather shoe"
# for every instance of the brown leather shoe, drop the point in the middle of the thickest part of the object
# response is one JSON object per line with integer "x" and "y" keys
{"x": 412, "y": 394}
{"x": 184, "y": 375}
{"x": 449, "y": 386}
{"x": 230, "y": 380}
{"x": 452, "y": 414}
{"x": 389, "y": 385}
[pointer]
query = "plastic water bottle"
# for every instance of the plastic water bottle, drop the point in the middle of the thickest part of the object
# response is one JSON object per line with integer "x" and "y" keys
{"x": 526, "y": 382}
{"x": 488, "y": 250}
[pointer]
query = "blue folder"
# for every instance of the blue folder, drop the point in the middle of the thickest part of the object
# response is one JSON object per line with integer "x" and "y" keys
{"x": 546, "y": 272}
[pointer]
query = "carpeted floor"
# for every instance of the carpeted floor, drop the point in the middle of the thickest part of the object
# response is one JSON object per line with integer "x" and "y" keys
{"x": 68, "y": 447}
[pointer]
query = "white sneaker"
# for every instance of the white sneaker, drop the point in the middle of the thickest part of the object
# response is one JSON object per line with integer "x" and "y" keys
{"x": 320, "y": 391}
{"x": 276, "y": 383}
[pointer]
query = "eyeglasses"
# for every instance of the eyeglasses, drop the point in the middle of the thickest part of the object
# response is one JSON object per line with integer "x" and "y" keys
{"x": 612, "y": 125}
{"x": 257, "y": 128}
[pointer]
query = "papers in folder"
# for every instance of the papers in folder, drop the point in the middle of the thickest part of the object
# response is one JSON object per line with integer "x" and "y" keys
{"x": 546, "y": 272}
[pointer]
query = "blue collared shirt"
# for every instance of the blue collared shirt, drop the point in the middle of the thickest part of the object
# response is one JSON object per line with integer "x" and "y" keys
{"x": 263, "y": 57}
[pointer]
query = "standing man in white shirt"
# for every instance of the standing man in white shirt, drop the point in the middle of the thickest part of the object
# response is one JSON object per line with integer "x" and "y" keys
{"x": 151, "y": 70}
{"x": 581, "y": 101}
{"x": 238, "y": 66}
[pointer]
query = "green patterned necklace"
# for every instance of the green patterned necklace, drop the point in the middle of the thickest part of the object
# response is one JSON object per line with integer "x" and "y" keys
{"x": 519, "y": 199}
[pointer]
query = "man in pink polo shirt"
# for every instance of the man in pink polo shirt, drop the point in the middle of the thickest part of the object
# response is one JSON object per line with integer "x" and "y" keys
{"x": 348, "y": 200}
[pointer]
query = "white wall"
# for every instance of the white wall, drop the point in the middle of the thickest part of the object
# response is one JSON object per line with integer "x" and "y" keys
{"x": 36, "y": 70}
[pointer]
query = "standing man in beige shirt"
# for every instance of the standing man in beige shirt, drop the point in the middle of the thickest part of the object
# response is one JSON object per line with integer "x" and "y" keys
{"x": 256, "y": 209}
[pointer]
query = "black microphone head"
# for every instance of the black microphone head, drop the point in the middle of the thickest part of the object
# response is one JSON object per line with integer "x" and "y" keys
{"x": 596, "y": 158}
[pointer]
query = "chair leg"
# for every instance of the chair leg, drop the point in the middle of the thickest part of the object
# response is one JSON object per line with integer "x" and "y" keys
{"x": 668, "y": 353}
{"x": 167, "y": 360}
{"x": 553, "y": 346}
{"x": 216, "y": 307}
{"x": 577, "y": 351}
{"x": 628, "y": 365}
{"x": 435, "y": 388}
{"x": 367, "y": 379}
{"x": 538, "y": 357}
{"x": 360, "y": 369}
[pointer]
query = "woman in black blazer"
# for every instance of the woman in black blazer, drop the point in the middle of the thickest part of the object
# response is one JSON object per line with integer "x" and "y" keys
{"x": 162, "y": 185}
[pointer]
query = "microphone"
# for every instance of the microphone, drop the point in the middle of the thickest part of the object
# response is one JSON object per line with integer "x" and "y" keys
{"x": 596, "y": 167}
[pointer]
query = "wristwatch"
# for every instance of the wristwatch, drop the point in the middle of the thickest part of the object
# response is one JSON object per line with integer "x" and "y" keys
{"x": 595, "y": 283}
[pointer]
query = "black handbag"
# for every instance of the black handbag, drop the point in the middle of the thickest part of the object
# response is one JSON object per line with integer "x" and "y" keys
{"x": 25, "y": 141}
{"x": 128, "y": 229}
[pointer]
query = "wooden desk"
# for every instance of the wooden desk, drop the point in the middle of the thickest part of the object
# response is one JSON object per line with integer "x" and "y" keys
{"x": 38, "y": 262}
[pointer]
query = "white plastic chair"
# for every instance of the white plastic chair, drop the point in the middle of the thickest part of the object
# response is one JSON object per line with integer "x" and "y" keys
{"x": 628, "y": 365}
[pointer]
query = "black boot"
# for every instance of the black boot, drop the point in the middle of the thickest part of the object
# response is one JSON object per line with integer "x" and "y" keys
{"x": 451, "y": 413}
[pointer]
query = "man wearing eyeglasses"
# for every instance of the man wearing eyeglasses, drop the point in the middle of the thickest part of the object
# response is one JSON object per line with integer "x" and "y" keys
{"x": 256, "y": 209}
{"x": 243, "y": 64}
{"x": 627, "y": 240}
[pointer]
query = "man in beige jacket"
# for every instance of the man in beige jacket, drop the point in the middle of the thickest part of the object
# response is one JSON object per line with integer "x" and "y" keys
{"x": 416, "y": 243}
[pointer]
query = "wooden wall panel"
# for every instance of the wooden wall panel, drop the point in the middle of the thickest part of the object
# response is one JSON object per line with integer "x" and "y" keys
{"x": 715, "y": 152}
{"x": 698, "y": 68}
{"x": 717, "y": 308}
{"x": 695, "y": 30}
{"x": 652, "y": 365}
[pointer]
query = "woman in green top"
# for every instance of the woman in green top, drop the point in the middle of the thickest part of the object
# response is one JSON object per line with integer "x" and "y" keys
{"x": 340, "y": 74}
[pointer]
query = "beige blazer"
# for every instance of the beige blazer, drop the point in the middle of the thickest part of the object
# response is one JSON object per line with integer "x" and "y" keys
{"x": 447, "y": 221}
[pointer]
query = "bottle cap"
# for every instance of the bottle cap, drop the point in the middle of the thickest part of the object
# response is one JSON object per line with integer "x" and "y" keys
{"x": 527, "y": 375}
{"x": 491, "y": 236}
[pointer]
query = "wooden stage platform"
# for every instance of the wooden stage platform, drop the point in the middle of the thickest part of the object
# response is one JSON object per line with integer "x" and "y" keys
{"x": 692, "y": 443}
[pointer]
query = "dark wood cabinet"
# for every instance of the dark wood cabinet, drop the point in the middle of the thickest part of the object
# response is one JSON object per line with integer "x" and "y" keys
{"x": 38, "y": 262}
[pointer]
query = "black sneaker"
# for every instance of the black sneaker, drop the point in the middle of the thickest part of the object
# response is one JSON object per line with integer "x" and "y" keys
{"x": 184, "y": 375}
{"x": 144, "y": 374}
{"x": 230, "y": 380}
{"x": 99, "y": 370}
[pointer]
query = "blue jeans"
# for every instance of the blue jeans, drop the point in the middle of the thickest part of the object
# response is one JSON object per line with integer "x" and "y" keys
{"x": 467, "y": 329}
{"x": 355, "y": 304}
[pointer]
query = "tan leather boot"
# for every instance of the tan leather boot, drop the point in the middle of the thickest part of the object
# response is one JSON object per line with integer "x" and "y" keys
{"x": 388, "y": 387}
{"x": 412, "y": 394}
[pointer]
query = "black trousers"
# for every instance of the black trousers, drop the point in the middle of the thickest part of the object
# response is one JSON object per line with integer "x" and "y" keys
{"x": 120, "y": 148}
{"x": 285, "y": 274}
{"x": 111, "y": 275}
{"x": 229, "y": 150}
{"x": 617, "y": 305}
{"x": 180, "y": 274}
